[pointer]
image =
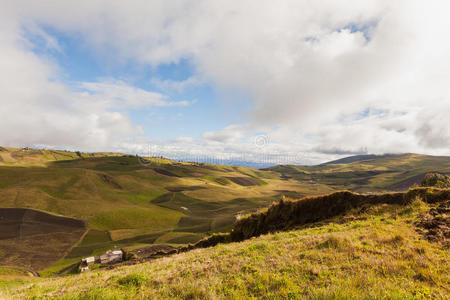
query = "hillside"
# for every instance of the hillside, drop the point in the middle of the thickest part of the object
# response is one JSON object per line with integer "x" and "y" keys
{"x": 129, "y": 202}
{"x": 40, "y": 157}
{"x": 374, "y": 250}
{"x": 368, "y": 173}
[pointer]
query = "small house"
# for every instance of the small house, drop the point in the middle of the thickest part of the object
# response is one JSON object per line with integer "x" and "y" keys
{"x": 111, "y": 256}
{"x": 86, "y": 262}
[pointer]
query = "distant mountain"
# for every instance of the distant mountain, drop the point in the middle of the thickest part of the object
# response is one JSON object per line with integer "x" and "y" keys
{"x": 356, "y": 158}
{"x": 369, "y": 173}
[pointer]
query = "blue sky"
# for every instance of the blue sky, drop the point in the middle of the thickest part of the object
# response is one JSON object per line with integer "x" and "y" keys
{"x": 206, "y": 112}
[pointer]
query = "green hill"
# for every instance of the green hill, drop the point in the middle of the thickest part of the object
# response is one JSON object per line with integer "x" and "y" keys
{"x": 130, "y": 202}
{"x": 380, "y": 246}
{"x": 369, "y": 173}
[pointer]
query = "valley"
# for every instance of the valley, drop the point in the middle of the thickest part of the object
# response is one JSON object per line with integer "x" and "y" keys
{"x": 121, "y": 201}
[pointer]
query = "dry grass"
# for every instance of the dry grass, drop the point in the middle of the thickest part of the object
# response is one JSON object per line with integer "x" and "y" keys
{"x": 373, "y": 254}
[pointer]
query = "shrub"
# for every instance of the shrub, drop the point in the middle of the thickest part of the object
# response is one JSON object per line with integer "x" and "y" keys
{"x": 436, "y": 180}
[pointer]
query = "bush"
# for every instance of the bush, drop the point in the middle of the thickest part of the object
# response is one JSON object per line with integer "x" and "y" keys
{"x": 436, "y": 180}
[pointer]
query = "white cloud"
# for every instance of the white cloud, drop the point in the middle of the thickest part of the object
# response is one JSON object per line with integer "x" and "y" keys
{"x": 121, "y": 95}
{"x": 304, "y": 64}
{"x": 168, "y": 85}
{"x": 230, "y": 134}
{"x": 38, "y": 110}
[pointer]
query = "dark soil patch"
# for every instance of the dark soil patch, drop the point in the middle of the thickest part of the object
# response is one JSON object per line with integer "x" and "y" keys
{"x": 165, "y": 172}
{"x": 244, "y": 181}
{"x": 33, "y": 239}
{"x": 435, "y": 225}
{"x": 110, "y": 181}
{"x": 3, "y": 149}
{"x": 184, "y": 188}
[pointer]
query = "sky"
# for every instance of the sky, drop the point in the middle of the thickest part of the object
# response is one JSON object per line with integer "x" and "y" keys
{"x": 282, "y": 81}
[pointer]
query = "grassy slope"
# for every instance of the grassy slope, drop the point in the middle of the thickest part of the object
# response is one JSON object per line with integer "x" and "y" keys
{"x": 394, "y": 172}
{"x": 116, "y": 195}
{"x": 374, "y": 254}
{"x": 132, "y": 204}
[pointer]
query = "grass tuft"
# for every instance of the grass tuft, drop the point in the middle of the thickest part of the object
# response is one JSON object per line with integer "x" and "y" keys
{"x": 135, "y": 279}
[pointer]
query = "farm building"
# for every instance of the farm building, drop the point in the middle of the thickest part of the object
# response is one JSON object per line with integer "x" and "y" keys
{"x": 111, "y": 256}
{"x": 86, "y": 262}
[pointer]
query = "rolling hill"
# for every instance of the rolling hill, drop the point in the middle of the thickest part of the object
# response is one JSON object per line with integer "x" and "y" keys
{"x": 131, "y": 202}
{"x": 368, "y": 173}
{"x": 373, "y": 247}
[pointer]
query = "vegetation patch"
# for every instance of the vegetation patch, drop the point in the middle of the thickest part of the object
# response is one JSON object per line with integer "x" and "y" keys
{"x": 153, "y": 217}
{"x": 222, "y": 180}
{"x": 436, "y": 180}
{"x": 435, "y": 224}
{"x": 133, "y": 280}
{"x": 95, "y": 236}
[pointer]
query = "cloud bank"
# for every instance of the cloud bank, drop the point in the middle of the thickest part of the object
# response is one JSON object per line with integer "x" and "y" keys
{"x": 324, "y": 77}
